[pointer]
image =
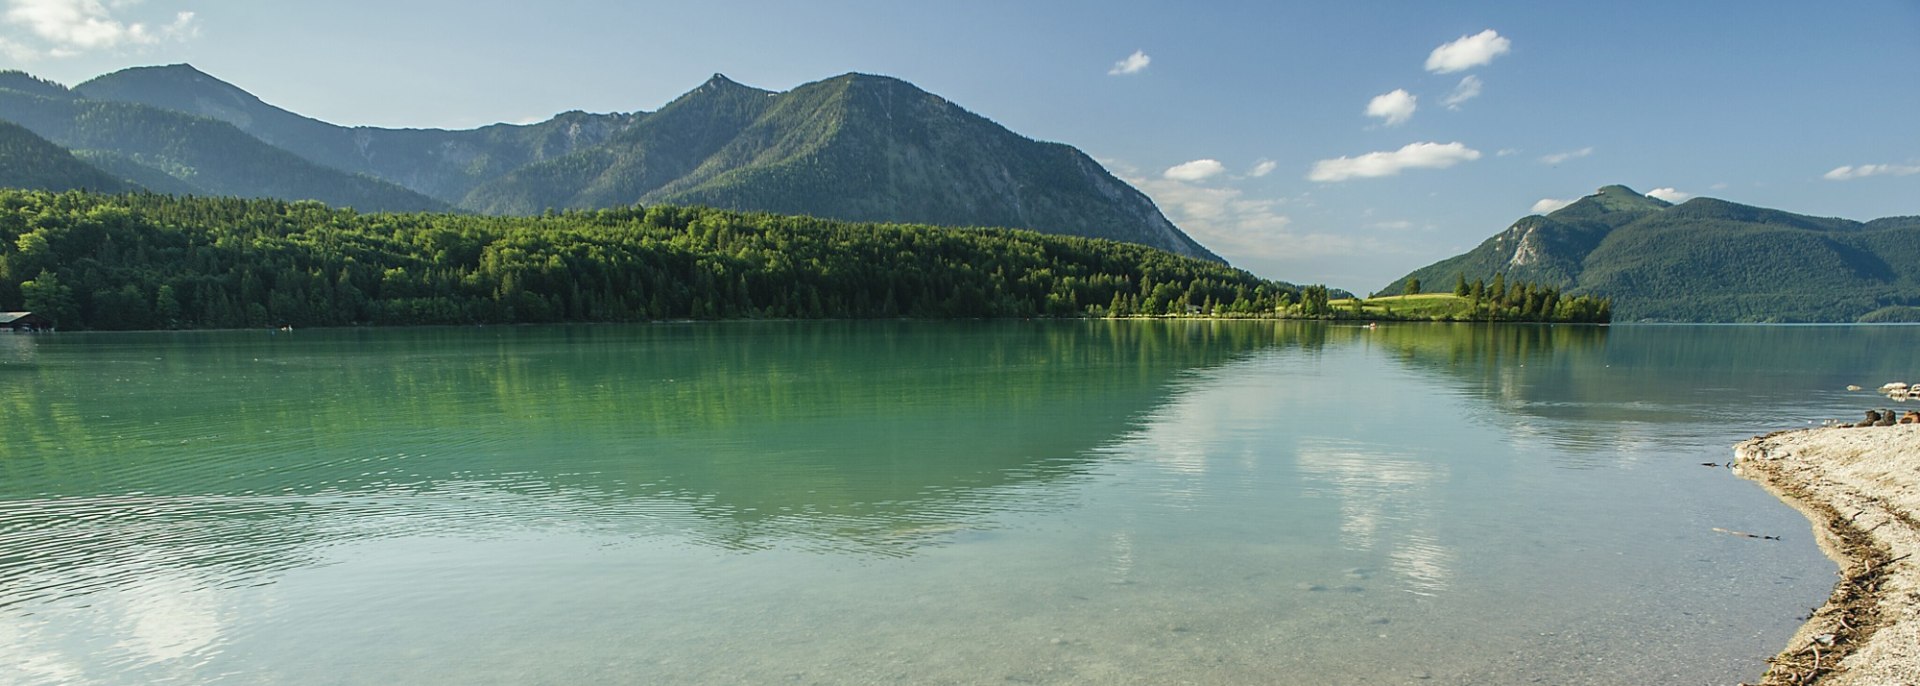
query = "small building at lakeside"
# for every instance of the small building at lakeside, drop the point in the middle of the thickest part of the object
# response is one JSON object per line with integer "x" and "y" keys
{"x": 25, "y": 322}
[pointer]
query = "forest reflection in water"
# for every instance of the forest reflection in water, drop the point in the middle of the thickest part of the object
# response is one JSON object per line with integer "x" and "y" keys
{"x": 173, "y": 504}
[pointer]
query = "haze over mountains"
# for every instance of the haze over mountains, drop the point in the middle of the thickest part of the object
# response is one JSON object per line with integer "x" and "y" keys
{"x": 1703, "y": 260}
{"x": 856, "y": 147}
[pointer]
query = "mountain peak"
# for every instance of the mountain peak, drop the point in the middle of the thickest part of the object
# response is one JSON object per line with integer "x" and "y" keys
{"x": 172, "y": 84}
{"x": 720, "y": 82}
{"x": 181, "y": 71}
{"x": 181, "y": 68}
{"x": 875, "y": 81}
{"x": 1612, "y": 198}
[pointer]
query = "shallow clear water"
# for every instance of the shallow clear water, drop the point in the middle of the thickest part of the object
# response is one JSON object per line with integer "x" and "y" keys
{"x": 1028, "y": 502}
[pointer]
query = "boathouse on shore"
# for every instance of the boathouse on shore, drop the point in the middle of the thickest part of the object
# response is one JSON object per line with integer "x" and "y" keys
{"x": 25, "y": 322}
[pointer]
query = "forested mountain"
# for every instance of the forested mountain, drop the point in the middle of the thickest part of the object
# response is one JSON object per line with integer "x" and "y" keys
{"x": 1703, "y": 260}
{"x": 174, "y": 152}
{"x": 139, "y": 261}
{"x": 855, "y": 147}
{"x": 29, "y": 161}
{"x": 445, "y": 165}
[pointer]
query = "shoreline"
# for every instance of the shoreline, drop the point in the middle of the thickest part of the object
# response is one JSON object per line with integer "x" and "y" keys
{"x": 748, "y": 320}
{"x": 1860, "y": 490}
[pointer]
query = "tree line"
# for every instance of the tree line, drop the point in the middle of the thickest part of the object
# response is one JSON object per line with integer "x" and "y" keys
{"x": 146, "y": 261}
{"x": 1525, "y": 301}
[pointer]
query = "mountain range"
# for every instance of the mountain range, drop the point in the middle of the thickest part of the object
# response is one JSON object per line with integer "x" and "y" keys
{"x": 854, "y": 147}
{"x": 1703, "y": 260}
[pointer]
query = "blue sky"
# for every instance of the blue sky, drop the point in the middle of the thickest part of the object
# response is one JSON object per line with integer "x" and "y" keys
{"x": 1761, "y": 102}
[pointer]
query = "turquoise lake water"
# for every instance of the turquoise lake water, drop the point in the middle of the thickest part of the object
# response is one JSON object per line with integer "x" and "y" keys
{"x": 911, "y": 502}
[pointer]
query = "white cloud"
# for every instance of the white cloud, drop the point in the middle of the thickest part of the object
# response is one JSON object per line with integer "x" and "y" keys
{"x": 1131, "y": 65}
{"x": 1549, "y": 205}
{"x": 1263, "y": 168}
{"x": 1669, "y": 195}
{"x": 1395, "y": 107}
{"x": 1559, "y": 157}
{"x": 17, "y": 52}
{"x": 1468, "y": 89}
{"x": 1468, "y": 52}
{"x": 1196, "y": 170}
{"x": 1245, "y": 229}
{"x": 1507, "y": 151}
{"x": 1866, "y": 170}
{"x": 1221, "y": 218}
{"x": 65, "y": 28}
{"x": 1389, "y": 163}
{"x": 1393, "y": 225}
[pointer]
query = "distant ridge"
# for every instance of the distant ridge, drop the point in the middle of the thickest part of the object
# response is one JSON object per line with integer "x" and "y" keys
{"x": 175, "y": 152}
{"x": 31, "y": 162}
{"x": 445, "y": 165}
{"x": 1704, "y": 260}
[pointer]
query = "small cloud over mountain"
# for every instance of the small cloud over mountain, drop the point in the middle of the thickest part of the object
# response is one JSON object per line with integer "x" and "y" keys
{"x": 1197, "y": 170}
{"x": 1559, "y": 157}
{"x": 1549, "y": 205}
{"x": 1669, "y": 195}
{"x": 68, "y": 28}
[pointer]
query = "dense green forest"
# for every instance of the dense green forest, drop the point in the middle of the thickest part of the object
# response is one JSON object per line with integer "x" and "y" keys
{"x": 153, "y": 261}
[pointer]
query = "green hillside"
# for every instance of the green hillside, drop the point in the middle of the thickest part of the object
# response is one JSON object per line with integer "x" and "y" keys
{"x": 1704, "y": 260}
{"x": 1548, "y": 249}
{"x": 155, "y": 261}
{"x": 202, "y": 155}
{"x": 31, "y": 162}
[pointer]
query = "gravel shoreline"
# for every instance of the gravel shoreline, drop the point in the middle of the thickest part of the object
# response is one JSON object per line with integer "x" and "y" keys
{"x": 1861, "y": 489}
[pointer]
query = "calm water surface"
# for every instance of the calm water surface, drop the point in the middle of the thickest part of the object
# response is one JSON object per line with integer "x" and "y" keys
{"x": 975, "y": 502}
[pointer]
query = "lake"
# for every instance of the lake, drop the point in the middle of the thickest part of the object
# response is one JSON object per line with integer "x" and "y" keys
{"x": 927, "y": 502}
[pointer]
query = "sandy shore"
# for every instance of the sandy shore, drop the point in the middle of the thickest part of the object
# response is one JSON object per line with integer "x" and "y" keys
{"x": 1861, "y": 489}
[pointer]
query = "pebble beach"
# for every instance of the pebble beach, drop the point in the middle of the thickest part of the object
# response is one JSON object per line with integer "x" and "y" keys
{"x": 1860, "y": 487}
